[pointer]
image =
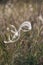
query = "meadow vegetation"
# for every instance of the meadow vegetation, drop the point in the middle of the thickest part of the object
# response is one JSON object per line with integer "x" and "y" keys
{"x": 28, "y": 50}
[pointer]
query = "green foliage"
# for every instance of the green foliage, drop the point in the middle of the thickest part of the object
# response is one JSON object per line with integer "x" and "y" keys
{"x": 28, "y": 50}
{"x": 3, "y": 53}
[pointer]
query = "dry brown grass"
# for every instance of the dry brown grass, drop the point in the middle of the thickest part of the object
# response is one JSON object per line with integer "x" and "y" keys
{"x": 30, "y": 43}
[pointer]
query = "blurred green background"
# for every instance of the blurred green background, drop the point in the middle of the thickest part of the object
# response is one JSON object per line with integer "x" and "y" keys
{"x": 28, "y": 50}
